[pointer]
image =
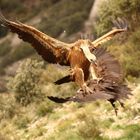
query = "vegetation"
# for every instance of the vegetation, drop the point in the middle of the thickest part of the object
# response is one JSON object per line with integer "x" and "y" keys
{"x": 128, "y": 10}
{"x": 25, "y": 111}
{"x": 16, "y": 54}
{"x": 70, "y": 18}
{"x": 26, "y": 82}
{"x": 111, "y": 10}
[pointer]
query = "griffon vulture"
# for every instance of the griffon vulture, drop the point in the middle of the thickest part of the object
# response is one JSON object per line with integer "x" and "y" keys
{"x": 77, "y": 55}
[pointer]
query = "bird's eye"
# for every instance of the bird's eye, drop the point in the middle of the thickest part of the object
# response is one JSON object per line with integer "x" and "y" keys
{"x": 92, "y": 49}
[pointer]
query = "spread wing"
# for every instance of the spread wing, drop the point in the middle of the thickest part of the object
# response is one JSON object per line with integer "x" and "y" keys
{"x": 108, "y": 67}
{"x": 121, "y": 26}
{"x": 51, "y": 50}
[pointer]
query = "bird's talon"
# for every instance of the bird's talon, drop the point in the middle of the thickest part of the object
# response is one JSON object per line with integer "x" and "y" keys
{"x": 87, "y": 91}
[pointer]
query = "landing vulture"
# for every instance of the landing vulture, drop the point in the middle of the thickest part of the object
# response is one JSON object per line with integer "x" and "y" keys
{"x": 77, "y": 55}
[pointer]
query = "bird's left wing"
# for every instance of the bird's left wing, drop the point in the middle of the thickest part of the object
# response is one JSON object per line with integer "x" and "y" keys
{"x": 120, "y": 26}
{"x": 51, "y": 50}
{"x": 107, "y": 37}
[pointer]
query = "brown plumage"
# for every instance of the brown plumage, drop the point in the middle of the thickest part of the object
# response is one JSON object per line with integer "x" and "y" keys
{"x": 76, "y": 55}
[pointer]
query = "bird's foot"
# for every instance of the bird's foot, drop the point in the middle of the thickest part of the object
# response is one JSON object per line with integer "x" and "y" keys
{"x": 85, "y": 90}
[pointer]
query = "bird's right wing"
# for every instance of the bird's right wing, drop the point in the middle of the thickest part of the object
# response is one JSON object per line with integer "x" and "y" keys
{"x": 52, "y": 50}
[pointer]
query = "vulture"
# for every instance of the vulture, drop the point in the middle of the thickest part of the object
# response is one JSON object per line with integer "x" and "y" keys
{"x": 110, "y": 85}
{"x": 77, "y": 55}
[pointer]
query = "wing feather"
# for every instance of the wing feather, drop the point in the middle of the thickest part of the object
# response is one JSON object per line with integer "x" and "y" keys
{"x": 51, "y": 50}
{"x": 108, "y": 66}
{"x": 121, "y": 25}
{"x": 107, "y": 37}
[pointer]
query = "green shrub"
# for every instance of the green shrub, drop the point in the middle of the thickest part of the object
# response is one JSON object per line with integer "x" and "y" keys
{"x": 45, "y": 108}
{"x": 127, "y": 50}
{"x": 89, "y": 128}
{"x": 110, "y": 10}
{"x": 8, "y": 108}
{"x": 22, "y": 122}
{"x": 26, "y": 82}
{"x": 128, "y": 53}
{"x": 131, "y": 132}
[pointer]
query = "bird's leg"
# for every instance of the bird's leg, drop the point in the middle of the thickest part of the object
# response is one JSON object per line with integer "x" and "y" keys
{"x": 122, "y": 104}
{"x": 93, "y": 73}
{"x": 86, "y": 89}
{"x": 113, "y": 105}
{"x": 79, "y": 79}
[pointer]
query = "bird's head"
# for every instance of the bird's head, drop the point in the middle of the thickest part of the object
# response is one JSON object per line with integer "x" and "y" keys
{"x": 86, "y": 46}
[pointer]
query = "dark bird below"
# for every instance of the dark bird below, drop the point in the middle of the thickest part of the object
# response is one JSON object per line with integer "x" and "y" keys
{"x": 104, "y": 90}
{"x": 109, "y": 87}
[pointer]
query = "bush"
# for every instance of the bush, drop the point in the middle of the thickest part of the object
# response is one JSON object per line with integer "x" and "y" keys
{"x": 128, "y": 54}
{"x": 26, "y": 82}
{"x": 45, "y": 108}
{"x": 88, "y": 128}
{"x": 22, "y": 122}
{"x": 110, "y": 10}
{"x": 127, "y": 49}
{"x": 8, "y": 108}
{"x": 131, "y": 132}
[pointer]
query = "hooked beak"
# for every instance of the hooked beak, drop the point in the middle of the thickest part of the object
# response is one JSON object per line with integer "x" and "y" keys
{"x": 90, "y": 56}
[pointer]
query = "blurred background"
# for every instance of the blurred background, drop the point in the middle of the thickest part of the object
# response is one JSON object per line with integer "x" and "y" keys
{"x": 26, "y": 80}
